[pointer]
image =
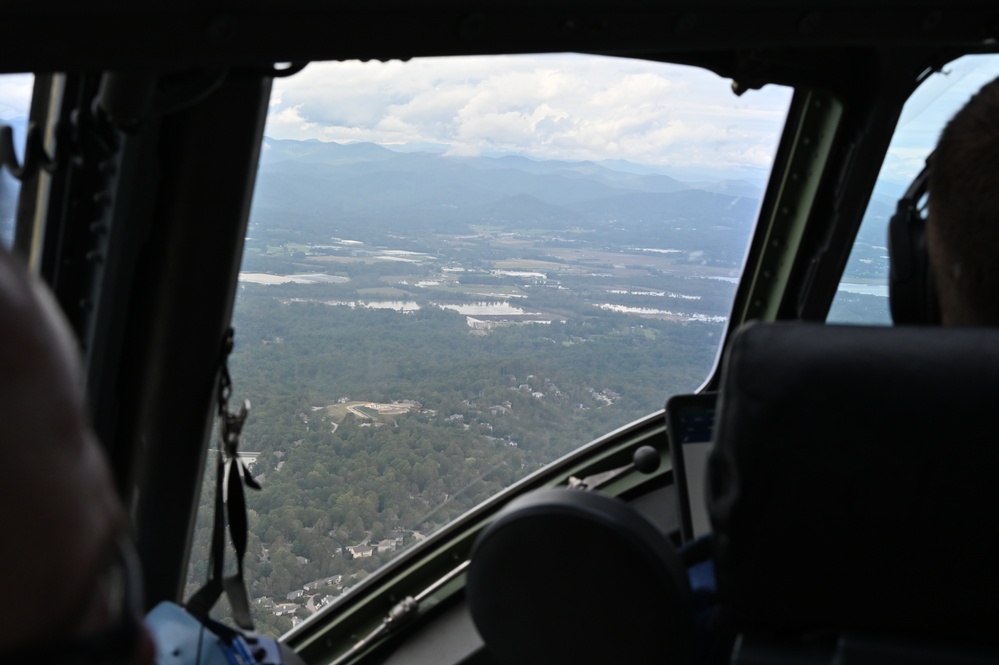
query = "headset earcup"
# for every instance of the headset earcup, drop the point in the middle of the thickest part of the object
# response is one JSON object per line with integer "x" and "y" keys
{"x": 911, "y": 288}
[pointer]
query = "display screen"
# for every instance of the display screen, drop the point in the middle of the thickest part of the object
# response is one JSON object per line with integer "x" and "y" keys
{"x": 690, "y": 423}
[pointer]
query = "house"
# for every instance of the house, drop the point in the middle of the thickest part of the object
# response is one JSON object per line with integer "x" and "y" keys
{"x": 284, "y": 609}
{"x": 361, "y": 551}
{"x": 315, "y": 585}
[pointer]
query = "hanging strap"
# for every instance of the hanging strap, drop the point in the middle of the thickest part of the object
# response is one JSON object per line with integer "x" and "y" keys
{"x": 230, "y": 502}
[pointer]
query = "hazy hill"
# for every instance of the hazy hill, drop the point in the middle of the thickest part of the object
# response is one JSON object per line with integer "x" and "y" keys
{"x": 311, "y": 186}
{"x": 276, "y": 150}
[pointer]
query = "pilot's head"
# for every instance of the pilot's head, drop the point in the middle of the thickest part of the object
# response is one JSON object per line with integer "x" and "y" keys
{"x": 963, "y": 223}
{"x": 66, "y": 568}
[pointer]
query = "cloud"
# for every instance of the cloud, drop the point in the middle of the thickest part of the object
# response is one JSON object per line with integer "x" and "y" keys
{"x": 15, "y": 95}
{"x": 570, "y": 106}
{"x": 290, "y": 118}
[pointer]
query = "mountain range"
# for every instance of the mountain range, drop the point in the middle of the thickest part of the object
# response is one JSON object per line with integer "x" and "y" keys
{"x": 312, "y": 187}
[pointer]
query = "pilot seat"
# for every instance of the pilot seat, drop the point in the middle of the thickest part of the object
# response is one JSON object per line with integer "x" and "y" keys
{"x": 853, "y": 494}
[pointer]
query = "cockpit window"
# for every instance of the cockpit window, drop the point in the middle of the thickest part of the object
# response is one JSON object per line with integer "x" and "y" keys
{"x": 15, "y": 102}
{"x": 863, "y": 291}
{"x": 458, "y": 270}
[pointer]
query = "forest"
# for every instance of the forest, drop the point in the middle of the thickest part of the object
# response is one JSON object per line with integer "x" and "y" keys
{"x": 486, "y": 410}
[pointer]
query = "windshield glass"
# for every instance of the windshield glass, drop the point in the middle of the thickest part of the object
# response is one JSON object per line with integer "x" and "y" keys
{"x": 458, "y": 270}
{"x": 15, "y": 102}
{"x": 862, "y": 296}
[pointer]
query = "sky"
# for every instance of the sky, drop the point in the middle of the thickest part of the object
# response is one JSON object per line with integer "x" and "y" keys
{"x": 15, "y": 95}
{"x": 928, "y": 110}
{"x": 567, "y": 106}
{"x": 576, "y": 107}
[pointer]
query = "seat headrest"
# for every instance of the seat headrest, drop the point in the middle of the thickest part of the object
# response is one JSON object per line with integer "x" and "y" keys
{"x": 852, "y": 484}
{"x": 569, "y": 576}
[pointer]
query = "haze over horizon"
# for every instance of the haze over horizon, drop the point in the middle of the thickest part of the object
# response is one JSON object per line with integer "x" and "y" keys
{"x": 688, "y": 175}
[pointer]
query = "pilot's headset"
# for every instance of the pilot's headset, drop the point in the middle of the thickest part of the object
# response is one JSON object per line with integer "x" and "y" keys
{"x": 911, "y": 289}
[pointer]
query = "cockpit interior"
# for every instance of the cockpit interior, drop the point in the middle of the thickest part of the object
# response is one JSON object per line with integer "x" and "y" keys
{"x": 170, "y": 169}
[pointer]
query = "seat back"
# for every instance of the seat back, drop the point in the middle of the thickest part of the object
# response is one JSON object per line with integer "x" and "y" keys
{"x": 852, "y": 487}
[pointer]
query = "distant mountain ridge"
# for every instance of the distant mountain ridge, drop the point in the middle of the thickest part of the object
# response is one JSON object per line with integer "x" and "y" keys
{"x": 367, "y": 188}
{"x": 619, "y": 173}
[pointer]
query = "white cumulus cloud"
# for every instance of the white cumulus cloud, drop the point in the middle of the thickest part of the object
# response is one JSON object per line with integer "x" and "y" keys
{"x": 566, "y": 106}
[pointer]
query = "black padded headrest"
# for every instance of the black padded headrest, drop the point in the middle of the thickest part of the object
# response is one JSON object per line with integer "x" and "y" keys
{"x": 569, "y": 576}
{"x": 852, "y": 485}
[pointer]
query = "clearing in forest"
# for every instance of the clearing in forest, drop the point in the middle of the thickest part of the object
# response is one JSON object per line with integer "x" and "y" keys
{"x": 368, "y": 410}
